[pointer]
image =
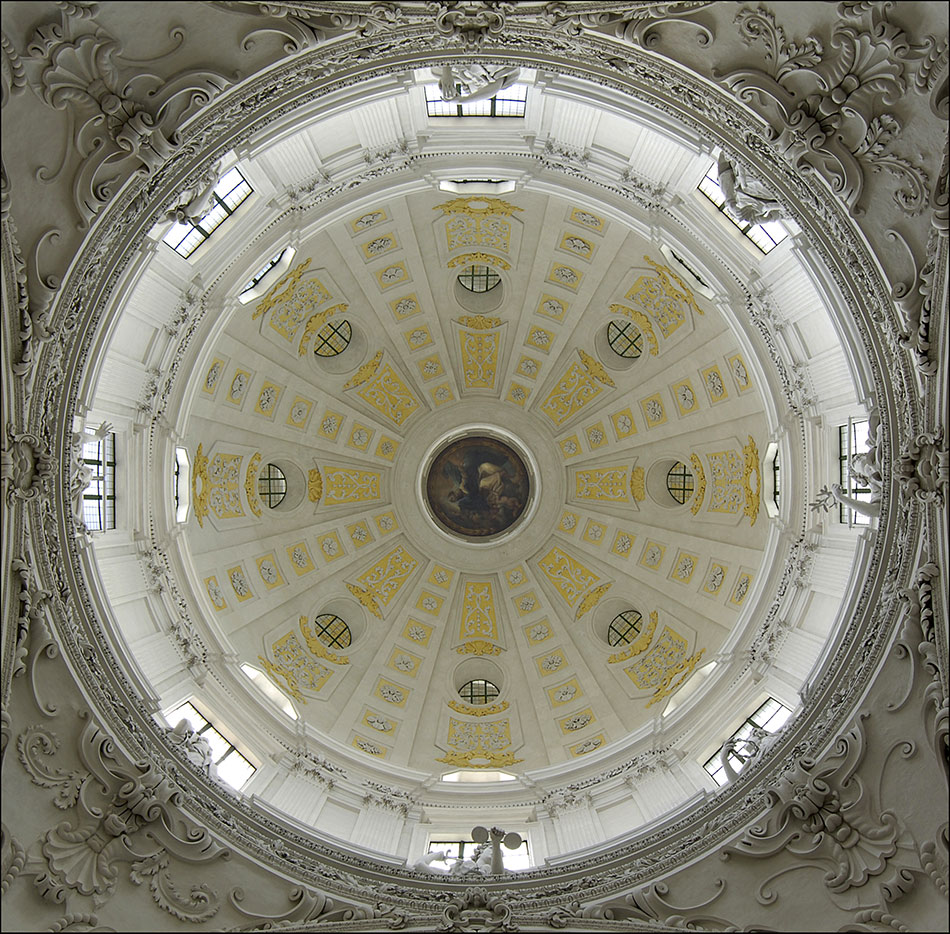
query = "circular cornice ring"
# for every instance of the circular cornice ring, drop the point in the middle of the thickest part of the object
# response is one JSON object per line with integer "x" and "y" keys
{"x": 87, "y": 291}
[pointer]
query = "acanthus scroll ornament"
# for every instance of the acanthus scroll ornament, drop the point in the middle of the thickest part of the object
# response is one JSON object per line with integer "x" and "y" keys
{"x": 823, "y": 108}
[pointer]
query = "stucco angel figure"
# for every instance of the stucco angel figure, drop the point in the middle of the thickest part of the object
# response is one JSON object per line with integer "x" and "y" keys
{"x": 469, "y": 83}
{"x": 867, "y": 469}
{"x": 82, "y": 473}
{"x": 195, "y": 747}
{"x": 749, "y": 199}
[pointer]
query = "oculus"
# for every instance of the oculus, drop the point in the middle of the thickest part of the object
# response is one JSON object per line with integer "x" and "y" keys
{"x": 477, "y": 487}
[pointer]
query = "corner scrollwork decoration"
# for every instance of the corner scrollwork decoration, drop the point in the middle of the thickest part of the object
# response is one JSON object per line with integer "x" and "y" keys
{"x": 822, "y": 812}
{"x": 821, "y": 107}
{"x": 112, "y": 123}
{"x": 122, "y": 812}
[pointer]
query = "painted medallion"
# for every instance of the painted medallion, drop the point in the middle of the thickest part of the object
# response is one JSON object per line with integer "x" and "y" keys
{"x": 477, "y": 487}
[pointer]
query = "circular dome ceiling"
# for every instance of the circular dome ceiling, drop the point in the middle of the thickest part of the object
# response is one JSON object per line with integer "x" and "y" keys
{"x": 478, "y": 433}
{"x": 477, "y": 496}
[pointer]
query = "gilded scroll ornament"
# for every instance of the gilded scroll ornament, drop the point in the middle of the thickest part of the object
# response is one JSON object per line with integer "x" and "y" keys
{"x": 699, "y": 481}
{"x": 591, "y": 599}
{"x": 568, "y": 576}
{"x": 314, "y": 485}
{"x": 379, "y": 583}
{"x": 479, "y": 647}
{"x": 464, "y": 206}
{"x": 282, "y": 290}
{"x": 199, "y": 476}
{"x": 596, "y": 369}
{"x": 470, "y": 259}
{"x": 680, "y": 673}
{"x": 479, "y": 745}
{"x": 479, "y": 322}
{"x": 639, "y": 645}
{"x": 469, "y": 711}
{"x": 365, "y": 372}
{"x": 638, "y": 486}
{"x": 751, "y": 454}
{"x": 683, "y": 293}
{"x": 250, "y": 485}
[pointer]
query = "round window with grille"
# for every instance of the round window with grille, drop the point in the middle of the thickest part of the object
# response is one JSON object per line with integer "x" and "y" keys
{"x": 332, "y": 631}
{"x": 679, "y": 482}
{"x": 625, "y": 339}
{"x": 271, "y": 485}
{"x": 624, "y": 628}
{"x": 478, "y": 691}
{"x": 333, "y": 338}
{"x": 478, "y": 278}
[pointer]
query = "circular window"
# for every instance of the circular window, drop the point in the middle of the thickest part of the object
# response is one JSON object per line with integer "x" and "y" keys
{"x": 625, "y": 339}
{"x": 478, "y": 278}
{"x": 332, "y": 631}
{"x": 478, "y": 691}
{"x": 679, "y": 482}
{"x": 333, "y": 338}
{"x": 624, "y": 628}
{"x": 271, "y": 485}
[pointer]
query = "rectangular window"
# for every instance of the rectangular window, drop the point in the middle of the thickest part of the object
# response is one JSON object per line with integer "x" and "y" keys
{"x": 852, "y": 439}
{"x": 98, "y": 499}
{"x": 770, "y": 716}
{"x": 765, "y": 236}
{"x": 509, "y": 102}
{"x": 230, "y": 191}
{"x": 232, "y": 767}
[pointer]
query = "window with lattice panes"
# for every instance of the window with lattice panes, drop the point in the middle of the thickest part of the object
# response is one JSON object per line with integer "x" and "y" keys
{"x": 625, "y": 339}
{"x": 271, "y": 485}
{"x": 624, "y": 628}
{"x": 770, "y": 716}
{"x": 478, "y": 278}
{"x": 679, "y": 482}
{"x": 332, "y": 631}
{"x": 478, "y": 691}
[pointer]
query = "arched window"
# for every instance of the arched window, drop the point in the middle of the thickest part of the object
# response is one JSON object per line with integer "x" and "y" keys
{"x": 333, "y": 338}
{"x": 679, "y": 482}
{"x": 332, "y": 631}
{"x": 625, "y": 339}
{"x": 478, "y": 691}
{"x": 624, "y": 628}
{"x": 271, "y": 485}
{"x": 478, "y": 278}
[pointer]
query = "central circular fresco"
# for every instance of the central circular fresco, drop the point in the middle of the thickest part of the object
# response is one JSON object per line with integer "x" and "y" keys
{"x": 477, "y": 487}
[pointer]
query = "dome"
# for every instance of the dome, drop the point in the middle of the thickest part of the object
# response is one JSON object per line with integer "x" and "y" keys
{"x": 447, "y": 428}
